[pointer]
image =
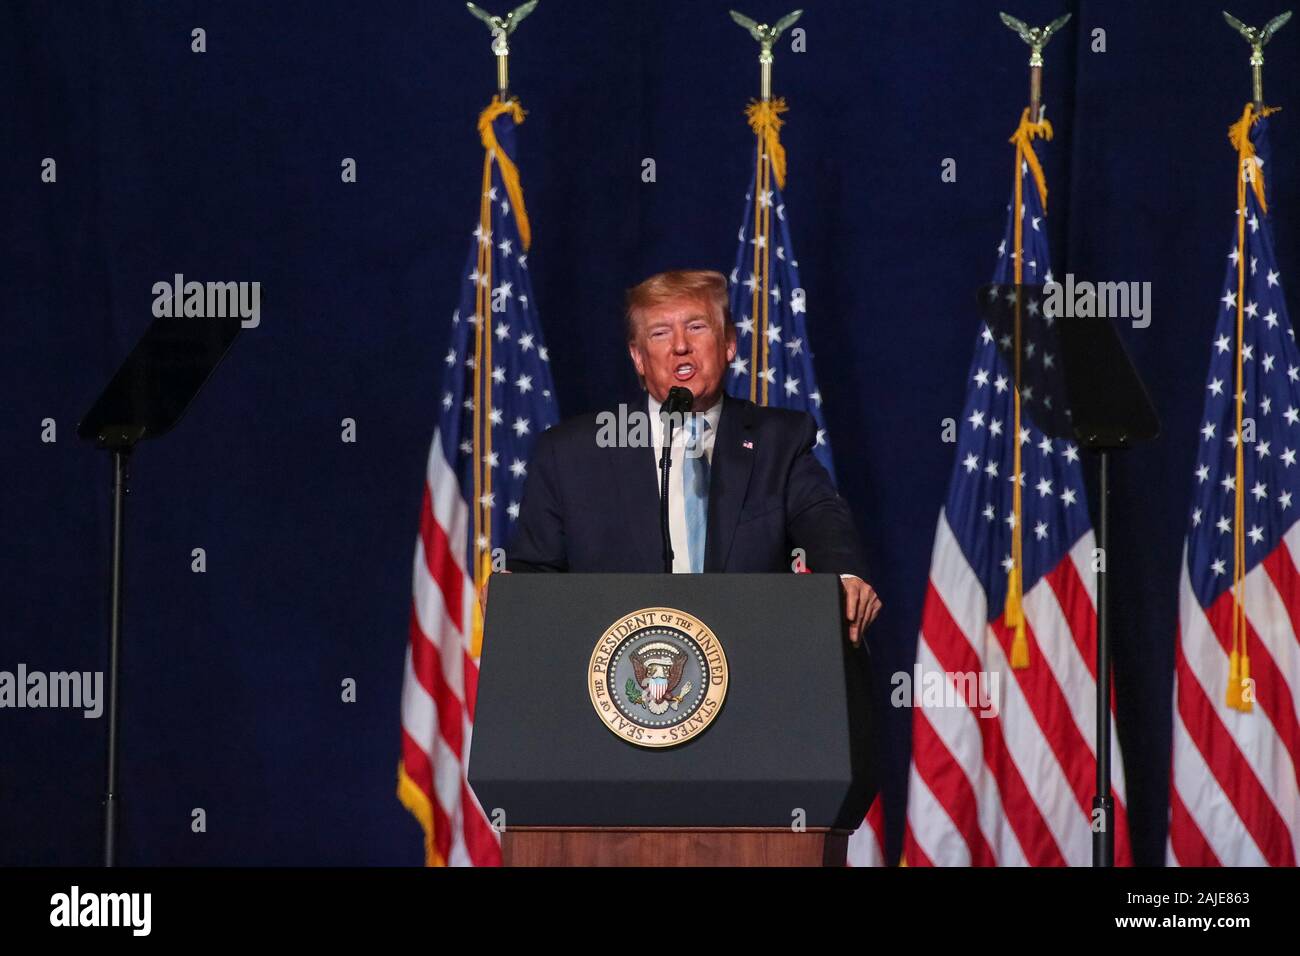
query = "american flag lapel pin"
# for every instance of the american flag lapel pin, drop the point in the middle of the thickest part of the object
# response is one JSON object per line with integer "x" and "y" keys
{"x": 747, "y": 444}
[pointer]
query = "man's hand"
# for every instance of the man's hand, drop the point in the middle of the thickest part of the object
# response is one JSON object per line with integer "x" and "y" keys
{"x": 861, "y": 605}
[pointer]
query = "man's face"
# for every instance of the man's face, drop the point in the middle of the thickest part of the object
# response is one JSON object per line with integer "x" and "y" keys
{"x": 679, "y": 343}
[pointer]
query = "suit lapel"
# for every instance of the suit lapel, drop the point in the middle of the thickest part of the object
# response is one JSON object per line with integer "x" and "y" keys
{"x": 729, "y": 472}
{"x": 633, "y": 473}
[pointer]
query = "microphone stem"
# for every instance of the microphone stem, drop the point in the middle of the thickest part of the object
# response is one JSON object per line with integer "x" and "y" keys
{"x": 665, "y": 465}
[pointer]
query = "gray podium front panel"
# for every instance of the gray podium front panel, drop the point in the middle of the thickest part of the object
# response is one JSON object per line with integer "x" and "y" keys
{"x": 790, "y": 742}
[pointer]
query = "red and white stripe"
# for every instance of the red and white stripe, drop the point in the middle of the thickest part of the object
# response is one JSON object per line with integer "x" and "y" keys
{"x": 1234, "y": 789}
{"x": 1013, "y": 789}
{"x": 867, "y": 842}
{"x": 441, "y": 681}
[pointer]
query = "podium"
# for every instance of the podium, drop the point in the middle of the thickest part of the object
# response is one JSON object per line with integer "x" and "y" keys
{"x": 686, "y": 720}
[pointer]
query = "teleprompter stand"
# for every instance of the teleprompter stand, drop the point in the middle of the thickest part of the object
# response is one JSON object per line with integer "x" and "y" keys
{"x": 145, "y": 399}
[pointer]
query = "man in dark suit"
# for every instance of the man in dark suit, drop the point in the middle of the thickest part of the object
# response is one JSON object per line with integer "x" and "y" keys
{"x": 745, "y": 489}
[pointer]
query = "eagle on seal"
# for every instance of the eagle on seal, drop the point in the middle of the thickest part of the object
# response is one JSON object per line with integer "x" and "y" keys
{"x": 658, "y": 668}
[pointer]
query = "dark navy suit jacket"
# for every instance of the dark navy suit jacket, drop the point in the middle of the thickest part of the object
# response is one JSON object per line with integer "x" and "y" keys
{"x": 591, "y": 509}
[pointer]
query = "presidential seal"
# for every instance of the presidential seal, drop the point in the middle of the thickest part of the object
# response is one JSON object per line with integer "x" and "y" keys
{"x": 657, "y": 677}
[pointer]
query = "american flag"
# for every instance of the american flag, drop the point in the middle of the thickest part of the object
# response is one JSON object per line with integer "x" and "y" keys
{"x": 496, "y": 398}
{"x": 867, "y": 842}
{"x": 1234, "y": 798}
{"x": 1015, "y": 788}
{"x": 774, "y": 362}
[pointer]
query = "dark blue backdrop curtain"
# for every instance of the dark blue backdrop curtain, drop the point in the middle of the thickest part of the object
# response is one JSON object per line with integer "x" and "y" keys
{"x": 225, "y": 165}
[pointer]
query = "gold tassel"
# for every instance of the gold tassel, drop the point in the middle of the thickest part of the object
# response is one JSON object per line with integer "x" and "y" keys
{"x": 1239, "y": 137}
{"x": 509, "y": 172}
{"x": 1012, "y": 611}
{"x": 1014, "y": 615}
{"x": 1023, "y": 139}
{"x": 1234, "y": 680}
{"x": 765, "y": 120}
{"x": 1020, "y": 648}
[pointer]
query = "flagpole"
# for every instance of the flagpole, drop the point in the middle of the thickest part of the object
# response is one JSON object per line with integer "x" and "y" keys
{"x": 764, "y": 120}
{"x": 1035, "y": 89}
{"x": 1030, "y": 126}
{"x": 502, "y": 50}
{"x": 1248, "y": 174}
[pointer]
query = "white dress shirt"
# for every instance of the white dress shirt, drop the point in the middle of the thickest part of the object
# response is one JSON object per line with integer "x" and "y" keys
{"x": 677, "y": 475}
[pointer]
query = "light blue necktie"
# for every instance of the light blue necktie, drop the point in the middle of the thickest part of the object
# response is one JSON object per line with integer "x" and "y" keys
{"x": 695, "y": 484}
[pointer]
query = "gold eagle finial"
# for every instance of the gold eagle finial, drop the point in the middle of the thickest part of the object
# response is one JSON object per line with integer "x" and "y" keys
{"x": 1257, "y": 37}
{"x": 766, "y": 37}
{"x": 501, "y": 28}
{"x": 507, "y": 24}
{"x": 1036, "y": 37}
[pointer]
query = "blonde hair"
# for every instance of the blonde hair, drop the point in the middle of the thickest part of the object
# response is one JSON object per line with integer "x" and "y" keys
{"x": 703, "y": 285}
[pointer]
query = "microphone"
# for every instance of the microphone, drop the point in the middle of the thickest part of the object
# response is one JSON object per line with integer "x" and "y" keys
{"x": 679, "y": 403}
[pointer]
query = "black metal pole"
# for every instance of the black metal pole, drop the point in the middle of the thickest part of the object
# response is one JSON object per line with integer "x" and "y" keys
{"x": 121, "y": 479}
{"x": 1103, "y": 840}
{"x": 665, "y": 463}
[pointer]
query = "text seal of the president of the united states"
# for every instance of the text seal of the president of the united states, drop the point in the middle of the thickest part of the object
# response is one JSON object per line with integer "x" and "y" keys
{"x": 657, "y": 677}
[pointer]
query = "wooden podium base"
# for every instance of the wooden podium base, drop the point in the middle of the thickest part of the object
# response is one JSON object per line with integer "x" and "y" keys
{"x": 673, "y": 846}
